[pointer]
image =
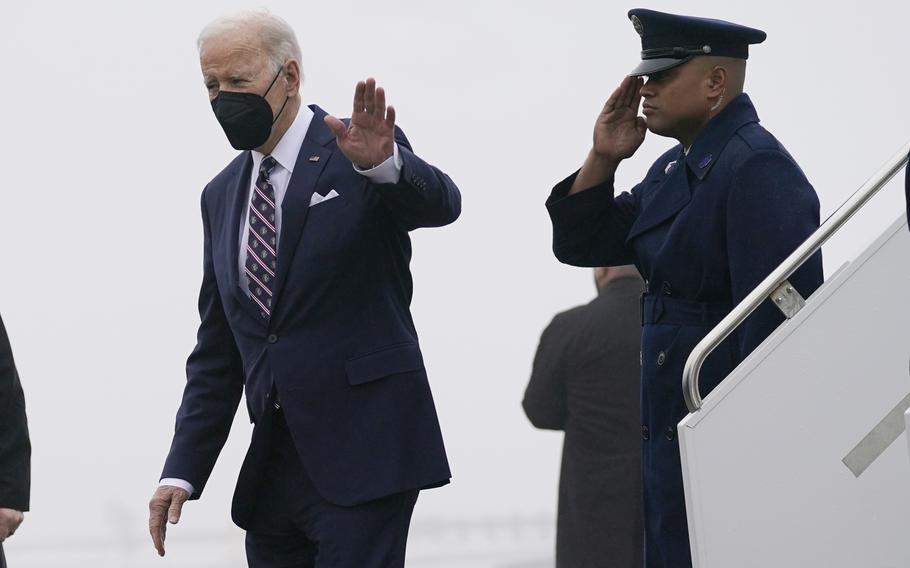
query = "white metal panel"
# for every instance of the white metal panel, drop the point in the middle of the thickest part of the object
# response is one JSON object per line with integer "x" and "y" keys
{"x": 765, "y": 485}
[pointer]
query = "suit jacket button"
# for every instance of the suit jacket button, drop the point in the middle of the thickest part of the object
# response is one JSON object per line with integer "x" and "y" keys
{"x": 272, "y": 338}
{"x": 645, "y": 434}
{"x": 671, "y": 433}
{"x": 661, "y": 359}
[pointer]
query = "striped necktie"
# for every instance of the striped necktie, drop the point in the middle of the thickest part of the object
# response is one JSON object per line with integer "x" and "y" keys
{"x": 262, "y": 240}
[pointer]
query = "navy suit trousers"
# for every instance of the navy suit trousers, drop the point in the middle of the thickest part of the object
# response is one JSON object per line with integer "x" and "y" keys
{"x": 292, "y": 526}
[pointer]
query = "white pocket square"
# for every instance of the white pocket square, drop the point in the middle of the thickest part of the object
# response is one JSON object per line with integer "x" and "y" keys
{"x": 316, "y": 199}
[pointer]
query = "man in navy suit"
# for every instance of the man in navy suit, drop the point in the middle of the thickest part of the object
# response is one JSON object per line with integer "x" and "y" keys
{"x": 305, "y": 307}
{"x": 712, "y": 218}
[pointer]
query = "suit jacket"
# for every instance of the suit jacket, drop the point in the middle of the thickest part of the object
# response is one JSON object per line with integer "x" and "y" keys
{"x": 586, "y": 381}
{"x": 15, "y": 448}
{"x": 704, "y": 229}
{"x": 340, "y": 349}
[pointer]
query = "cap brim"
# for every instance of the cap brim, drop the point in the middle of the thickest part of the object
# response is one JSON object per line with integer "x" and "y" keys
{"x": 649, "y": 66}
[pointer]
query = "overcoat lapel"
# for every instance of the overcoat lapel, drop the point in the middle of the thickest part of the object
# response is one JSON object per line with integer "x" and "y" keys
{"x": 664, "y": 201}
{"x": 314, "y": 155}
{"x": 676, "y": 193}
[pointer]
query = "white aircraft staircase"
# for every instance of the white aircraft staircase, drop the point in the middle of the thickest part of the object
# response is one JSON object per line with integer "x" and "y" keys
{"x": 800, "y": 458}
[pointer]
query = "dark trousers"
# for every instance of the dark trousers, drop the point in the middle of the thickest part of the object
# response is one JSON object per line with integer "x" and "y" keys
{"x": 289, "y": 525}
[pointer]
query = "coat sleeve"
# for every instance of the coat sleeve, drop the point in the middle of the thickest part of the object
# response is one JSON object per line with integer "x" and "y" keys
{"x": 590, "y": 227}
{"x": 545, "y": 402}
{"x": 214, "y": 385}
{"x": 424, "y": 196}
{"x": 772, "y": 209}
{"x": 15, "y": 447}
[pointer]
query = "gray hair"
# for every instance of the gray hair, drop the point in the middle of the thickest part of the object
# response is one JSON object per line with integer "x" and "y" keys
{"x": 277, "y": 36}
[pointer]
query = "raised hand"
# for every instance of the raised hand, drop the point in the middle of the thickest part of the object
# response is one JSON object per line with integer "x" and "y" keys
{"x": 164, "y": 507}
{"x": 10, "y": 520}
{"x": 619, "y": 131}
{"x": 369, "y": 139}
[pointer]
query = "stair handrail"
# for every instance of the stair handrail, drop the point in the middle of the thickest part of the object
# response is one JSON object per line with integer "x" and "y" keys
{"x": 779, "y": 276}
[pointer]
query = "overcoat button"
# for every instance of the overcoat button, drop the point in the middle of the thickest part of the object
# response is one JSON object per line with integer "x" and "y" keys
{"x": 661, "y": 359}
{"x": 645, "y": 434}
{"x": 272, "y": 338}
{"x": 671, "y": 433}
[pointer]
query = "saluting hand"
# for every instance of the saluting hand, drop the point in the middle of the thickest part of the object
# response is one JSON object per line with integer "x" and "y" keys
{"x": 165, "y": 507}
{"x": 10, "y": 519}
{"x": 619, "y": 131}
{"x": 369, "y": 139}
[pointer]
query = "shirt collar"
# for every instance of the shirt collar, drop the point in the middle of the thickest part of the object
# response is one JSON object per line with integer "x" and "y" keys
{"x": 287, "y": 149}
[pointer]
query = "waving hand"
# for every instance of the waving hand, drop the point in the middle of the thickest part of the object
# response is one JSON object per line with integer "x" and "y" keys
{"x": 369, "y": 139}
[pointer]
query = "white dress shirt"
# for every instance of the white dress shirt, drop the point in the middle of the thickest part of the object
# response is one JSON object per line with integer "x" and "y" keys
{"x": 285, "y": 154}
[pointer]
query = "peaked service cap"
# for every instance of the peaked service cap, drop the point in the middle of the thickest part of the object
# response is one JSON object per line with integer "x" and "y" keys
{"x": 669, "y": 40}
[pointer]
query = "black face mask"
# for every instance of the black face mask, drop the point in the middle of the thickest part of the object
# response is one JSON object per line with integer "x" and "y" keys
{"x": 246, "y": 117}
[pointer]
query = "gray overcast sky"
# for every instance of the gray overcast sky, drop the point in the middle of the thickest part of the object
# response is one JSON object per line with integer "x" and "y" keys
{"x": 108, "y": 139}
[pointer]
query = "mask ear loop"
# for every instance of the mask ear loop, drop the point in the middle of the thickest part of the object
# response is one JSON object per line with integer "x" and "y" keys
{"x": 266, "y": 93}
{"x": 281, "y": 110}
{"x": 719, "y": 100}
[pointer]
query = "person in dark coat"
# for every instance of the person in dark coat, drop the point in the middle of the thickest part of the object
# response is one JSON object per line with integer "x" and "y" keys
{"x": 712, "y": 218}
{"x": 585, "y": 381}
{"x": 15, "y": 448}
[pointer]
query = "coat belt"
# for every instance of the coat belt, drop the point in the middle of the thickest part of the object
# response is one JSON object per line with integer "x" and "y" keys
{"x": 678, "y": 311}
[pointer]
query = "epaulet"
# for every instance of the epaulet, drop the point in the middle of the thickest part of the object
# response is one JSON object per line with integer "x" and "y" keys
{"x": 757, "y": 138}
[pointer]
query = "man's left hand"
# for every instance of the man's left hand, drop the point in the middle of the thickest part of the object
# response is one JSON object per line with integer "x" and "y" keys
{"x": 369, "y": 139}
{"x": 10, "y": 519}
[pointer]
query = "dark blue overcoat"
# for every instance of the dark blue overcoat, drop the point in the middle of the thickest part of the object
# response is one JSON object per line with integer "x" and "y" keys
{"x": 704, "y": 229}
